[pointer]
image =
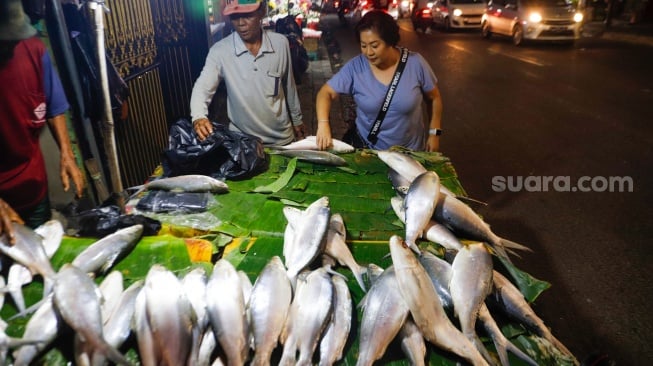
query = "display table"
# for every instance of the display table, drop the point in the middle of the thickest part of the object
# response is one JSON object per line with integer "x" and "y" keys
{"x": 246, "y": 226}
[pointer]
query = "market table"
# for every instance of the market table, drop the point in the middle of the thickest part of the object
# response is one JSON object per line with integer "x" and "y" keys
{"x": 246, "y": 226}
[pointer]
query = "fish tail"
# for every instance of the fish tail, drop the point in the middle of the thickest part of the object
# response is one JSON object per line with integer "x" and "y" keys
{"x": 19, "y": 300}
{"x": 113, "y": 354}
{"x": 511, "y": 244}
{"x": 358, "y": 274}
{"x": 517, "y": 352}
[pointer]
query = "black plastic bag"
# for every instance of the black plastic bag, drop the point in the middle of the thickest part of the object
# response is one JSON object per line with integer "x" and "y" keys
{"x": 100, "y": 222}
{"x": 223, "y": 155}
{"x": 163, "y": 201}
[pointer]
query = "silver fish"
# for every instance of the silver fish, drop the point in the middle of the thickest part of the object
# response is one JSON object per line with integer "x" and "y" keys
{"x": 440, "y": 272}
{"x": 110, "y": 288}
{"x": 194, "y": 287}
{"x": 246, "y": 285}
{"x": 293, "y": 215}
{"x": 309, "y": 314}
{"x": 226, "y": 306}
{"x": 337, "y": 248}
{"x": 28, "y": 251}
{"x": 401, "y": 163}
{"x": 52, "y": 233}
{"x": 117, "y": 327}
{"x": 309, "y": 236}
{"x": 196, "y": 183}
{"x": 384, "y": 313}
{"x": 433, "y": 231}
{"x": 510, "y": 299}
{"x": 471, "y": 282}
{"x": 268, "y": 309}
{"x": 310, "y": 143}
{"x": 101, "y": 255}
{"x": 76, "y": 298}
{"x": 336, "y": 334}
{"x": 42, "y": 327}
{"x": 147, "y": 348}
{"x": 313, "y": 156}
{"x": 170, "y": 316}
{"x": 454, "y": 213}
{"x": 425, "y": 307}
{"x": 412, "y": 343}
{"x": 419, "y": 205}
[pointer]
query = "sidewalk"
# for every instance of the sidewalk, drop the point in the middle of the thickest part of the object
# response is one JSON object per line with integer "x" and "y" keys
{"x": 621, "y": 30}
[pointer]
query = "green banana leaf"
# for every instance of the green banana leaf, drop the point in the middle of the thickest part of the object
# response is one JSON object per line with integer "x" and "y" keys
{"x": 252, "y": 212}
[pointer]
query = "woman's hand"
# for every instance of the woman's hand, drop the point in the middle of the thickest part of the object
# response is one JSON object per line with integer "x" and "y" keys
{"x": 323, "y": 135}
{"x": 203, "y": 128}
{"x": 433, "y": 143}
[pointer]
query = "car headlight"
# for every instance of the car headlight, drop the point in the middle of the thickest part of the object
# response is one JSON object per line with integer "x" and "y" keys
{"x": 535, "y": 17}
{"x": 578, "y": 17}
{"x": 457, "y": 12}
{"x": 405, "y": 3}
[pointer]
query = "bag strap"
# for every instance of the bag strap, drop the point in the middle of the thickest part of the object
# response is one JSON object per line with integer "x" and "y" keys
{"x": 376, "y": 127}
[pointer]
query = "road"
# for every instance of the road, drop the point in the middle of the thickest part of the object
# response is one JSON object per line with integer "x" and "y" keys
{"x": 554, "y": 116}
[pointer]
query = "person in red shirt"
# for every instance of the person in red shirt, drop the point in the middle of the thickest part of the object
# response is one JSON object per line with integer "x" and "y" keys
{"x": 31, "y": 96}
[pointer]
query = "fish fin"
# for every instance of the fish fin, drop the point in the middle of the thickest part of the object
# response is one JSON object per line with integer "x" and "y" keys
{"x": 511, "y": 244}
{"x": 471, "y": 200}
{"x": 30, "y": 309}
{"x": 517, "y": 352}
{"x": 358, "y": 275}
{"x": 335, "y": 273}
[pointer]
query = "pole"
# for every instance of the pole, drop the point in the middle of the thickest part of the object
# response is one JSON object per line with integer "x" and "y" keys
{"x": 98, "y": 8}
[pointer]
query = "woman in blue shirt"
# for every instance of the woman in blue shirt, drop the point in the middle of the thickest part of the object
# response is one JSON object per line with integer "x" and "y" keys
{"x": 367, "y": 76}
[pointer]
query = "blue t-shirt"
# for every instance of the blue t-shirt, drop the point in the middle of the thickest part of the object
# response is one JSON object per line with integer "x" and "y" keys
{"x": 403, "y": 124}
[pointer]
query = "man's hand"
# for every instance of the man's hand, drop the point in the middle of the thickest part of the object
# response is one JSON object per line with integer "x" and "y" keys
{"x": 203, "y": 128}
{"x": 300, "y": 132}
{"x": 69, "y": 170}
{"x": 7, "y": 216}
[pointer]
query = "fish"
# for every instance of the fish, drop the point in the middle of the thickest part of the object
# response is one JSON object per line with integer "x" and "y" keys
{"x": 193, "y": 183}
{"x": 309, "y": 236}
{"x": 268, "y": 309}
{"x": 464, "y": 220}
{"x": 170, "y": 316}
{"x": 246, "y": 284}
{"x": 117, "y": 327}
{"x": 419, "y": 205}
{"x": 384, "y": 313}
{"x": 227, "y": 312}
{"x": 337, "y": 331}
{"x": 508, "y": 298}
{"x": 310, "y": 143}
{"x": 18, "y": 275}
{"x": 110, "y": 288}
{"x": 43, "y": 328}
{"x": 28, "y": 251}
{"x": 293, "y": 215}
{"x": 309, "y": 314}
{"x": 402, "y": 164}
{"x": 425, "y": 306}
{"x": 433, "y": 231}
{"x": 412, "y": 343}
{"x": 148, "y": 351}
{"x": 194, "y": 287}
{"x": 75, "y": 296}
{"x": 471, "y": 282}
{"x": 337, "y": 248}
{"x": 103, "y": 254}
{"x": 440, "y": 272}
{"x": 313, "y": 156}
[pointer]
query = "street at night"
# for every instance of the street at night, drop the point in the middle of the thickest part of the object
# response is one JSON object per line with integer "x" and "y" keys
{"x": 541, "y": 133}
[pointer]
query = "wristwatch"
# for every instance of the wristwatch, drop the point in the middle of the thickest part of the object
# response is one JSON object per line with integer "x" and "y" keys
{"x": 435, "y": 132}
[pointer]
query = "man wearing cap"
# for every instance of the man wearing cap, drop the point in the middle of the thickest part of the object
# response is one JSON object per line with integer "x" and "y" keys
{"x": 31, "y": 96}
{"x": 255, "y": 65}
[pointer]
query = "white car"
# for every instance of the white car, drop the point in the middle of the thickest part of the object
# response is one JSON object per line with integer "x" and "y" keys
{"x": 456, "y": 14}
{"x": 545, "y": 20}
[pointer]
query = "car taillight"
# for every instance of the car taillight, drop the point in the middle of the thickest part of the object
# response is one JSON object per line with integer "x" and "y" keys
{"x": 426, "y": 11}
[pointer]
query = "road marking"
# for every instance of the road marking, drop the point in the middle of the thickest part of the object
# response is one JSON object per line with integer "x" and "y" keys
{"x": 498, "y": 50}
{"x": 458, "y": 47}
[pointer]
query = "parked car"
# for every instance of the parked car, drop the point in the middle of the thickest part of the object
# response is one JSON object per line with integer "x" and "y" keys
{"x": 545, "y": 20}
{"x": 455, "y": 14}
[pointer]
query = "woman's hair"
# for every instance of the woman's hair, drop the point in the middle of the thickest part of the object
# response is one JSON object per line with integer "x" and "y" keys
{"x": 381, "y": 23}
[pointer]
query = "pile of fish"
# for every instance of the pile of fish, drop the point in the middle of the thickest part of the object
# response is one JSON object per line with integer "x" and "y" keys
{"x": 299, "y": 310}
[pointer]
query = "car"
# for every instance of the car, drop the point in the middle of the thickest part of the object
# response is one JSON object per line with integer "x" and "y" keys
{"x": 458, "y": 14}
{"x": 532, "y": 20}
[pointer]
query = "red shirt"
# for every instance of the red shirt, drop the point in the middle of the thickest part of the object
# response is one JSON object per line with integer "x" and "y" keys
{"x": 23, "y": 114}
